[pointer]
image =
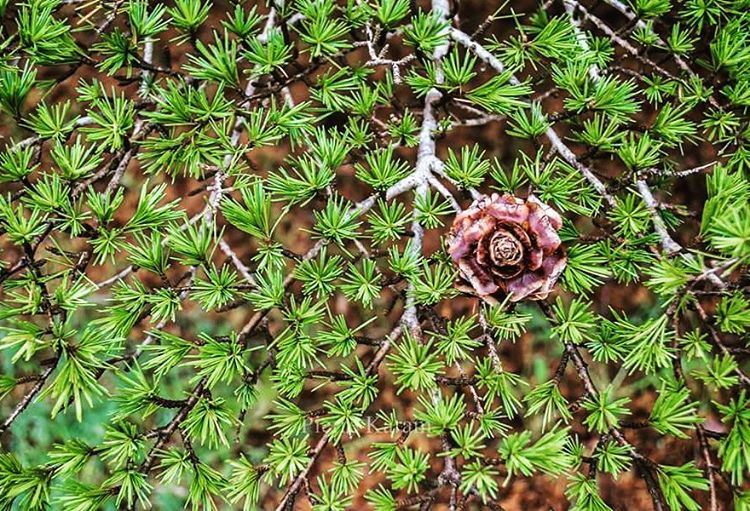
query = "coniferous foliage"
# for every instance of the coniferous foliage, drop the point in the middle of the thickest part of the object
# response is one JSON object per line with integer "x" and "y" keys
{"x": 225, "y": 282}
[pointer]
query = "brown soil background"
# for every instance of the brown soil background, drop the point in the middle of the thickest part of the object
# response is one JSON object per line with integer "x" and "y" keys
{"x": 628, "y": 493}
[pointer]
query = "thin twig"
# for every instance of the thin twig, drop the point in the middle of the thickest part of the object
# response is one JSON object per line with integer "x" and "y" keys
{"x": 485, "y": 56}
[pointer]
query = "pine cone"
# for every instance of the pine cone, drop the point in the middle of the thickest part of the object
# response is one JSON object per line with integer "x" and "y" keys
{"x": 504, "y": 245}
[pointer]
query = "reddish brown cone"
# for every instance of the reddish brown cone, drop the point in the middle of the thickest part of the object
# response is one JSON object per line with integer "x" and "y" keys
{"x": 504, "y": 245}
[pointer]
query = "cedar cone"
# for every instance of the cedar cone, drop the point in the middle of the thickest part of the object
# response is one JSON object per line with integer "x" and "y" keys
{"x": 504, "y": 245}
